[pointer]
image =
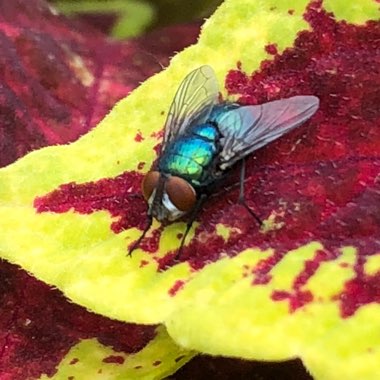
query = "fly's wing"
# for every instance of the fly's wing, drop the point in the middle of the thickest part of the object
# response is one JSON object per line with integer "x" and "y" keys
{"x": 192, "y": 103}
{"x": 248, "y": 128}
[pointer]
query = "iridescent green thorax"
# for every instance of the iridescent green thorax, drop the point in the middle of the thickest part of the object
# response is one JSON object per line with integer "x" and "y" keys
{"x": 191, "y": 156}
{"x": 208, "y": 131}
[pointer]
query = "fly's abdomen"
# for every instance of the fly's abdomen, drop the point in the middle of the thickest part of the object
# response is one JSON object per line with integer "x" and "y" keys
{"x": 189, "y": 158}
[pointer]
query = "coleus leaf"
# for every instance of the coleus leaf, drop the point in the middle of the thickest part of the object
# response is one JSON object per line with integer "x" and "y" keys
{"x": 89, "y": 359}
{"x": 37, "y": 325}
{"x": 306, "y": 284}
{"x": 59, "y": 79}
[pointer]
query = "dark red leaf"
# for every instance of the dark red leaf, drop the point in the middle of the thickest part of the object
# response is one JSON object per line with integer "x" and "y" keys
{"x": 38, "y": 326}
{"x": 59, "y": 79}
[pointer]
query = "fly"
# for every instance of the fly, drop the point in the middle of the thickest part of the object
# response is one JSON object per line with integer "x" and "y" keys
{"x": 203, "y": 139}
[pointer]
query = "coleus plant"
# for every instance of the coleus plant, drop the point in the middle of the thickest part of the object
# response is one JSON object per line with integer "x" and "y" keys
{"x": 304, "y": 285}
{"x": 59, "y": 79}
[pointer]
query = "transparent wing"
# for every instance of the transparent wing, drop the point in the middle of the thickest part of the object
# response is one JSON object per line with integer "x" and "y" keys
{"x": 246, "y": 129}
{"x": 192, "y": 103}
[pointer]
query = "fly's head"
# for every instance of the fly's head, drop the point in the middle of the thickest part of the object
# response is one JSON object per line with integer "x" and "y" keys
{"x": 168, "y": 197}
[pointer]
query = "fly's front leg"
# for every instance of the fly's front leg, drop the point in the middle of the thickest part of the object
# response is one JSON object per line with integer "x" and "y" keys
{"x": 138, "y": 241}
{"x": 241, "y": 194}
{"x": 190, "y": 222}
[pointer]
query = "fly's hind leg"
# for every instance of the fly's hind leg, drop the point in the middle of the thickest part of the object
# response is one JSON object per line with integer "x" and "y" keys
{"x": 138, "y": 241}
{"x": 241, "y": 194}
{"x": 193, "y": 215}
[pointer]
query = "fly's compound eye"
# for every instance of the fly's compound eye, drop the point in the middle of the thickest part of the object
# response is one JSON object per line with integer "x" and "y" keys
{"x": 180, "y": 193}
{"x": 149, "y": 184}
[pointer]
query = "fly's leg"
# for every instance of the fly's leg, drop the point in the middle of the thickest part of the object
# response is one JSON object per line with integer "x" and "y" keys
{"x": 241, "y": 194}
{"x": 138, "y": 241}
{"x": 193, "y": 215}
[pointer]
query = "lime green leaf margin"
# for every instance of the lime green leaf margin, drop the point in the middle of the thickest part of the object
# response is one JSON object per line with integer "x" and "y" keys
{"x": 217, "y": 311}
{"x": 93, "y": 361}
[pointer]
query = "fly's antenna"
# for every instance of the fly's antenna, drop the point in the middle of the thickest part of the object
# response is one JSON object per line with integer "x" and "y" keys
{"x": 136, "y": 244}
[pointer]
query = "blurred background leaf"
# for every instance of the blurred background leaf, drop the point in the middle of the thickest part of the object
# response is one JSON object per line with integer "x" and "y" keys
{"x": 130, "y": 18}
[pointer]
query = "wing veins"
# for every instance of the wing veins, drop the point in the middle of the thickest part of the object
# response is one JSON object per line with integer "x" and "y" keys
{"x": 193, "y": 101}
{"x": 286, "y": 115}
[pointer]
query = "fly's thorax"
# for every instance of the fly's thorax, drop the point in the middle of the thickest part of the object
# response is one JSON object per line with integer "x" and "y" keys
{"x": 191, "y": 156}
{"x": 207, "y": 131}
{"x": 169, "y": 197}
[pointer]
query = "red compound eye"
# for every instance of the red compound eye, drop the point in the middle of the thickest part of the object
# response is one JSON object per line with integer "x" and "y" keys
{"x": 149, "y": 183}
{"x": 181, "y": 193}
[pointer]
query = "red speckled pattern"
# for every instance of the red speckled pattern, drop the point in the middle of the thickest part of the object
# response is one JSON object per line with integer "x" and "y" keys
{"x": 299, "y": 297}
{"x": 139, "y": 137}
{"x": 322, "y": 180}
{"x": 114, "y": 359}
{"x": 44, "y": 100}
{"x": 271, "y": 49}
{"x": 176, "y": 287}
